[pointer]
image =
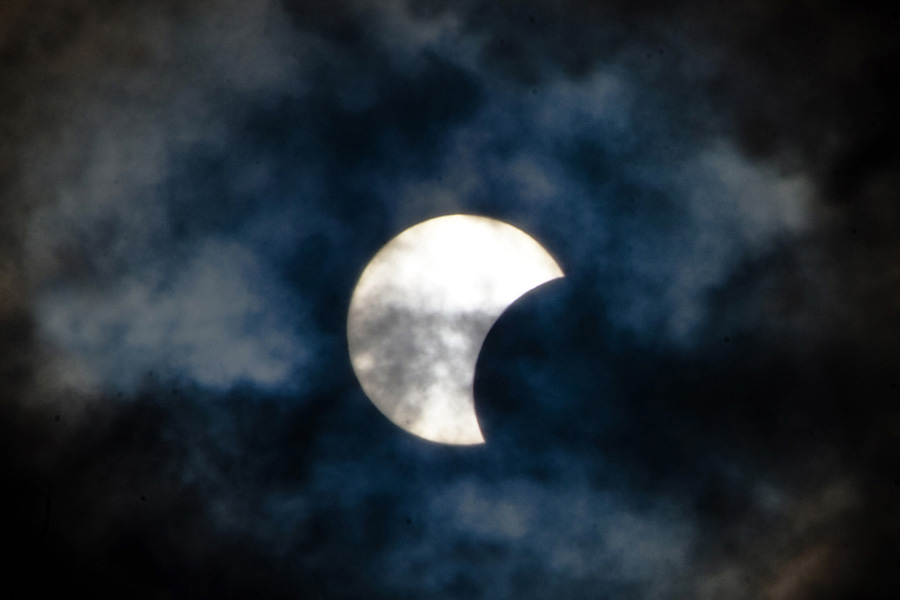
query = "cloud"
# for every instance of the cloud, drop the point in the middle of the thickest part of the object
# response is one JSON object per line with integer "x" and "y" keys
{"x": 99, "y": 198}
{"x": 558, "y": 534}
{"x": 795, "y": 555}
{"x": 577, "y": 168}
{"x": 216, "y": 320}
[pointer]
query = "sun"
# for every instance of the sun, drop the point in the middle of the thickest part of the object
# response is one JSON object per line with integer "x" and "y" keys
{"x": 422, "y": 309}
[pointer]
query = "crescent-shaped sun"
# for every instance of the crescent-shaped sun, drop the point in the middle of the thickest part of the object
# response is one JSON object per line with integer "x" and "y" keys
{"x": 421, "y": 311}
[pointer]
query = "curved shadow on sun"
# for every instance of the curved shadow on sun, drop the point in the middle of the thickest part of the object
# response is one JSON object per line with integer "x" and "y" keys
{"x": 540, "y": 375}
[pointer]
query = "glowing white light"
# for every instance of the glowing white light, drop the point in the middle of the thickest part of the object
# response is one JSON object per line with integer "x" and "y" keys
{"x": 421, "y": 311}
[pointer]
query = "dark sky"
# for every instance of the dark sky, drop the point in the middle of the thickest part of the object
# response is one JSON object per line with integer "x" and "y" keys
{"x": 706, "y": 407}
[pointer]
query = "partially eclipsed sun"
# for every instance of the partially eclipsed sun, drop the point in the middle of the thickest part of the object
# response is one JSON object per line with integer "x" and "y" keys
{"x": 421, "y": 311}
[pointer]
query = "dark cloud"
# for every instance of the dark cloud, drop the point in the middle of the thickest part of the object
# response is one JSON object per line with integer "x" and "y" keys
{"x": 705, "y": 407}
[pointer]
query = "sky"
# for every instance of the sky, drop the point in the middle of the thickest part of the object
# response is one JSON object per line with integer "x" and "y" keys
{"x": 705, "y": 407}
